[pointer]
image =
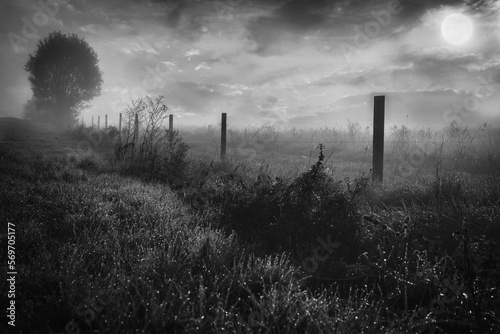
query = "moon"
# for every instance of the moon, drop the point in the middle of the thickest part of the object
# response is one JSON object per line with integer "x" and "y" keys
{"x": 456, "y": 29}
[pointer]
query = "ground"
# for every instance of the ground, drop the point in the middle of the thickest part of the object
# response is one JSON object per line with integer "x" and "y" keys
{"x": 273, "y": 248}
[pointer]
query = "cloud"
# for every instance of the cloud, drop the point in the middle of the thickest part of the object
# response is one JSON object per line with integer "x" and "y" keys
{"x": 192, "y": 52}
{"x": 282, "y": 27}
{"x": 438, "y": 56}
{"x": 263, "y": 61}
{"x": 279, "y": 29}
{"x": 303, "y": 14}
{"x": 91, "y": 28}
{"x": 202, "y": 66}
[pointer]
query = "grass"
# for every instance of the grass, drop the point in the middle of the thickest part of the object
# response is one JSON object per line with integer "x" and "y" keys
{"x": 249, "y": 245}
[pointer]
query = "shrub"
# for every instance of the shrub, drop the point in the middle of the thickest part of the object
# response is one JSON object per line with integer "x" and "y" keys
{"x": 149, "y": 150}
{"x": 286, "y": 215}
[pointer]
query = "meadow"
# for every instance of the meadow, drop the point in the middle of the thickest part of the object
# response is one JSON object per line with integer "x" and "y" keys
{"x": 286, "y": 235}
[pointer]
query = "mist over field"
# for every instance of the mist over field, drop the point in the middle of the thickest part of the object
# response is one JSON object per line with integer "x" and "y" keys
{"x": 284, "y": 63}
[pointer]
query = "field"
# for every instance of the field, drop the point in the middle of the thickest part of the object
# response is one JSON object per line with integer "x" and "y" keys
{"x": 283, "y": 236}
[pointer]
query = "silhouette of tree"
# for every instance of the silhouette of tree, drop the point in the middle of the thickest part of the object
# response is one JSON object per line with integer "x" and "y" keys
{"x": 64, "y": 76}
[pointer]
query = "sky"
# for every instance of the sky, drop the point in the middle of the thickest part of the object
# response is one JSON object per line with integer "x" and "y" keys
{"x": 282, "y": 63}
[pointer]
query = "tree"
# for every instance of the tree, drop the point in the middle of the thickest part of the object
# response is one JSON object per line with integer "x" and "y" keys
{"x": 64, "y": 75}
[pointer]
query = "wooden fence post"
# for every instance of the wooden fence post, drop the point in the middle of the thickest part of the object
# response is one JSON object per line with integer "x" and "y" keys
{"x": 92, "y": 121}
{"x": 98, "y": 122}
{"x": 223, "y": 137}
{"x": 136, "y": 134}
{"x": 171, "y": 122}
{"x": 378, "y": 137}
{"x": 120, "y": 129}
{"x": 105, "y": 121}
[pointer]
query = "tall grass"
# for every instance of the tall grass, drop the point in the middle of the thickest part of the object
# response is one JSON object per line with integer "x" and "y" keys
{"x": 238, "y": 247}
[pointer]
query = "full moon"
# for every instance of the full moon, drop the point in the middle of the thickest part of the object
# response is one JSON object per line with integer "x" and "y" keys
{"x": 456, "y": 29}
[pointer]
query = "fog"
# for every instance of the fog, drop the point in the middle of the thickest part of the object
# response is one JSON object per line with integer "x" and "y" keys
{"x": 286, "y": 63}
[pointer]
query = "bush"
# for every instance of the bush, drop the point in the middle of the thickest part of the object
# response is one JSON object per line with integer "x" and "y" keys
{"x": 286, "y": 215}
{"x": 149, "y": 150}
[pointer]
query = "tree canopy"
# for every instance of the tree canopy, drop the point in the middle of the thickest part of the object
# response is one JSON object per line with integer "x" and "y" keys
{"x": 64, "y": 75}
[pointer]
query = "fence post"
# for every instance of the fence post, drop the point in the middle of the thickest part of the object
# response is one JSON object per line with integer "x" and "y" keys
{"x": 223, "y": 137}
{"x": 92, "y": 120}
{"x": 98, "y": 122}
{"x": 120, "y": 129}
{"x": 171, "y": 122}
{"x": 378, "y": 137}
{"x": 136, "y": 134}
{"x": 105, "y": 121}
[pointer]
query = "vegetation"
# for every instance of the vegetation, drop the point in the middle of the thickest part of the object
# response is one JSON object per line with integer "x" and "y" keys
{"x": 249, "y": 244}
{"x": 147, "y": 149}
{"x": 64, "y": 74}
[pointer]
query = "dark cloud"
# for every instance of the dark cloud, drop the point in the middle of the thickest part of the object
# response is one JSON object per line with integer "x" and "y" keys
{"x": 174, "y": 17}
{"x": 284, "y": 25}
{"x": 414, "y": 9}
{"x": 281, "y": 24}
{"x": 187, "y": 19}
{"x": 291, "y": 20}
{"x": 303, "y": 14}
